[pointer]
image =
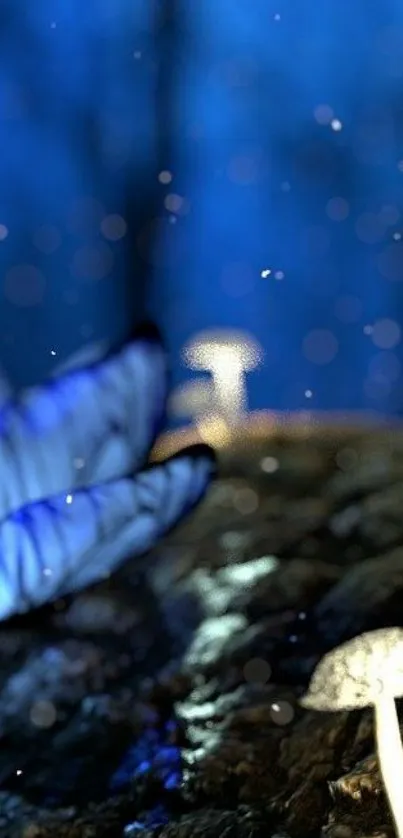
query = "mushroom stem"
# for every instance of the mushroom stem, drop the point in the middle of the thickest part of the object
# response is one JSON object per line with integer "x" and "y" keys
{"x": 390, "y": 754}
{"x": 227, "y": 372}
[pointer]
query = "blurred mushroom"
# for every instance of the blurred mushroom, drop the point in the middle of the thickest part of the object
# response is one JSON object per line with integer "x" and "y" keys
{"x": 198, "y": 399}
{"x": 227, "y": 355}
{"x": 368, "y": 670}
{"x": 194, "y": 399}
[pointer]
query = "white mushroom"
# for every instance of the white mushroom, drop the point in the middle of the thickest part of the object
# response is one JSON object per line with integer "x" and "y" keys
{"x": 227, "y": 355}
{"x": 368, "y": 670}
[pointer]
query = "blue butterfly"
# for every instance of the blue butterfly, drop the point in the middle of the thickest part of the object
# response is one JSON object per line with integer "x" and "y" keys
{"x": 77, "y": 497}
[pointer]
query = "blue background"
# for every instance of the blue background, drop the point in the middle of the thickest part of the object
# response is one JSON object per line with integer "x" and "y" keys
{"x": 281, "y": 123}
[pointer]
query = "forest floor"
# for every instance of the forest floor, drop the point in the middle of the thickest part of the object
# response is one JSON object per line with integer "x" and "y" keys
{"x": 165, "y": 701}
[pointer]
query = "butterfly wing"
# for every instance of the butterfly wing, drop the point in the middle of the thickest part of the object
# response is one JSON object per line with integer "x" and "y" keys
{"x": 6, "y": 390}
{"x": 90, "y": 426}
{"x": 53, "y": 547}
{"x": 91, "y": 353}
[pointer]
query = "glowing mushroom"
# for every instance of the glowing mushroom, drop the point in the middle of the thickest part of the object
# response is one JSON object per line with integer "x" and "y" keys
{"x": 368, "y": 670}
{"x": 227, "y": 355}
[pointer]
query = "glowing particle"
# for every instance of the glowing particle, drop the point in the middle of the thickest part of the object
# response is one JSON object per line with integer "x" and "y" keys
{"x": 336, "y": 125}
{"x": 137, "y": 54}
{"x": 397, "y": 236}
{"x": 53, "y": 352}
{"x": 18, "y": 772}
{"x": 368, "y": 329}
{"x": 69, "y": 499}
{"x": 308, "y": 394}
{"x": 279, "y": 275}
{"x": 265, "y": 273}
{"x": 3, "y": 232}
{"x": 78, "y": 462}
{"x": 277, "y": 16}
{"x": 47, "y": 571}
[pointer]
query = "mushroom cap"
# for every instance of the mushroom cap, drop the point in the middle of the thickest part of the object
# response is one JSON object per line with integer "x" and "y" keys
{"x": 357, "y": 673}
{"x": 201, "y": 350}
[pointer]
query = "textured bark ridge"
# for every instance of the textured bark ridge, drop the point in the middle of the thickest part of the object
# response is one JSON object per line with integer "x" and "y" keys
{"x": 164, "y": 702}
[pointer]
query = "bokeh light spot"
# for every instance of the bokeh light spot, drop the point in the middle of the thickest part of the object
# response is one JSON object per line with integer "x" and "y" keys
{"x": 165, "y": 177}
{"x": 386, "y": 333}
{"x": 243, "y": 169}
{"x": 269, "y": 465}
{"x": 47, "y": 239}
{"x": 282, "y": 712}
{"x": 320, "y": 346}
{"x": 92, "y": 263}
{"x": 245, "y": 501}
{"x": 85, "y": 216}
{"x": 346, "y": 458}
{"x": 113, "y": 227}
{"x": 348, "y": 309}
{"x": 389, "y": 215}
{"x": 43, "y": 714}
{"x": 237, "y": 279}
{"x": 337, "y": 209}
{"x": 24, "y": 285}
{"x": 176, "y": 204}
{"x": 323, "y": 114}
{"x": 257, "y": 671}
{"x": 369, "y": 228}
{"x": 384, "y": 367}
{"x": 390, "y": 262}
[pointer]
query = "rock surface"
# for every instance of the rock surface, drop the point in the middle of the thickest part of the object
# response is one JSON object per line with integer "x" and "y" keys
{"x": 164, "y": 703}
